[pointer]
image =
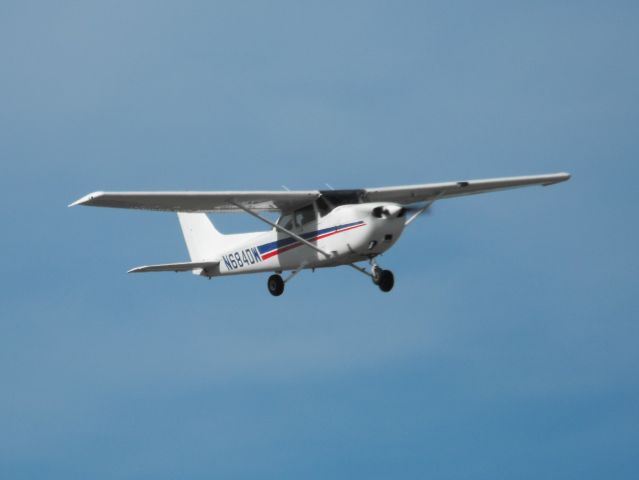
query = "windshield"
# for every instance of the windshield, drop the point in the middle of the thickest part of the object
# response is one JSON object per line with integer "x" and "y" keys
{"x": 342, "y": 197}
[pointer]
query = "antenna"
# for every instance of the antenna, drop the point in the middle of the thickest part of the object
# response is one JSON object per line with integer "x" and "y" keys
{"x": 329, "y": 186}
{"x": 285, "y": 188}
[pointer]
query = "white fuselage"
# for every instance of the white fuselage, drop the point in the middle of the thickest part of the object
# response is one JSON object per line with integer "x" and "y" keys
{"x": 349, "y": 233}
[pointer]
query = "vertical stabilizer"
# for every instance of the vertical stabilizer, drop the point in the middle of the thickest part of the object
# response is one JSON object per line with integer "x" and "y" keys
{"x": 203, "y": 241}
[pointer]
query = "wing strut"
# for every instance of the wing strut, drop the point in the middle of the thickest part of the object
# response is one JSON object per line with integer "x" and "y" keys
{"x": 303, "y": 240}
{"x": 283, "y": 230}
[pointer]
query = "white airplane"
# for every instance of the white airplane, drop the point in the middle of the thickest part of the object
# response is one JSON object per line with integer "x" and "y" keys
{"x": 316, "y": 228}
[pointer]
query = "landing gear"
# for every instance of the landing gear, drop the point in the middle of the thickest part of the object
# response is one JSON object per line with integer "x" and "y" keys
{"x": 384, "y": 279}
{"x": 275, "y": 285}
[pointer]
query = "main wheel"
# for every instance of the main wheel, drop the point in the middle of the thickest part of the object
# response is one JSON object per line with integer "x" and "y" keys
{"x": 386, "y": 281}
{"x": 275, "y": 285}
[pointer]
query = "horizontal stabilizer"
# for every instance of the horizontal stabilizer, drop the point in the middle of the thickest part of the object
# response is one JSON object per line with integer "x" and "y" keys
{"x": 175, "y": 267}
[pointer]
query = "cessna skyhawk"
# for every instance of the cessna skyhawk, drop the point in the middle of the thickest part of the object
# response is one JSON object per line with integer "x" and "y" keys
{"x": 316, "y": 228}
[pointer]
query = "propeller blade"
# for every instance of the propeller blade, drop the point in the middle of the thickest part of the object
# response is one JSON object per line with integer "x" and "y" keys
{"x": 414, "y": 211}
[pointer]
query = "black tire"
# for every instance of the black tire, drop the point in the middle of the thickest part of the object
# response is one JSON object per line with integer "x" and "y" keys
{"x": 386, "y": 281}
{"x": 275, "y": 285}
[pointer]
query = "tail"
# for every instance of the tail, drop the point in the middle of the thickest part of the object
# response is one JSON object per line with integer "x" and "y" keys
{"x": 203, "y": 241}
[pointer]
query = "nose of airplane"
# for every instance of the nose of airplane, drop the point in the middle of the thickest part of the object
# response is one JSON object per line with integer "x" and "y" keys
{"x": 389, "y": 211}
{"x": 395, "y": 210}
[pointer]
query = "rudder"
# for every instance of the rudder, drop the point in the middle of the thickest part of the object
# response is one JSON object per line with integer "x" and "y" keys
{"x": 202, "y": 239}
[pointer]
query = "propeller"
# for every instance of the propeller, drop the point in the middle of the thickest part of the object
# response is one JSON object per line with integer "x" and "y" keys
{"x": 411, "y": 212}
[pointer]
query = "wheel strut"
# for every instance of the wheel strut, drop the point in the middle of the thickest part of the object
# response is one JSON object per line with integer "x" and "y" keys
{"x": 384, "y": 279}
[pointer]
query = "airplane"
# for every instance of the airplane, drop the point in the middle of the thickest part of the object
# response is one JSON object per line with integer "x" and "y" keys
{"x": 315, "y": 229}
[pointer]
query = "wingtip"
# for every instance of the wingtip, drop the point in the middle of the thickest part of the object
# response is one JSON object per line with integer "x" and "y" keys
{"x": 86, "y": 199}
{"x": 557, "y": 178}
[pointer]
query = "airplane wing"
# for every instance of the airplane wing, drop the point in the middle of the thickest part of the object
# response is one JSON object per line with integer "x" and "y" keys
{"x": 434, "y": 191}
{"x": 266, "y": 201}
{"x": 277, "y": 201}
{"x": 174, "y": 267}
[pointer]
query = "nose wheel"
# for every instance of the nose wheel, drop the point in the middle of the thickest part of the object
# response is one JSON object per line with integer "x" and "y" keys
{"x": 384, "y": 279}
{"x": 275, "y": 285}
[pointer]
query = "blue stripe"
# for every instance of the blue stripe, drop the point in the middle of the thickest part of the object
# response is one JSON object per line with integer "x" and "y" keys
{"x": 267, "y": 247}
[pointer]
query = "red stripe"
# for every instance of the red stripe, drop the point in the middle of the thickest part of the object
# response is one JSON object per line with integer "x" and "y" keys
{"x": 281, "y": 250}
{"x": 272, "y": 253}
{"x": 339, "y": 231}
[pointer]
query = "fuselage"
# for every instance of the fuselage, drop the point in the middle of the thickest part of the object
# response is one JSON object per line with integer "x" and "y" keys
{"x": 349, "y": 233}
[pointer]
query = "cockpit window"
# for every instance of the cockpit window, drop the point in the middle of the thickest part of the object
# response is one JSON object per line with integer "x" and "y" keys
{"x": 304, "y": 215}
{"x": 286, "y": 221}
{"x": 298, "y": 218}
{"x": 342, "y": 197}
{"x": 328, "y": 200}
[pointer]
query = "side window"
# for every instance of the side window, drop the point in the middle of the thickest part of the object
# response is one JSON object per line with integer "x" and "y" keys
{"x": 304, "y": 215}
{"x": 286, "y": 221}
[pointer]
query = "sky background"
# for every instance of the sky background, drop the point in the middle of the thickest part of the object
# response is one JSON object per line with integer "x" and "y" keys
{"x": 508, "y": 348}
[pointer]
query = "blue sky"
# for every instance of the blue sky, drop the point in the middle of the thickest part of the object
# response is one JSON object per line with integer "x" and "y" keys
{"x": 508, "y": 348}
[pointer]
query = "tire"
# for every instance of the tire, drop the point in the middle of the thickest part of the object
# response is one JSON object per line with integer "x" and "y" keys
{"x": 386, "y": 281}
{"x": 275, "y": 285}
